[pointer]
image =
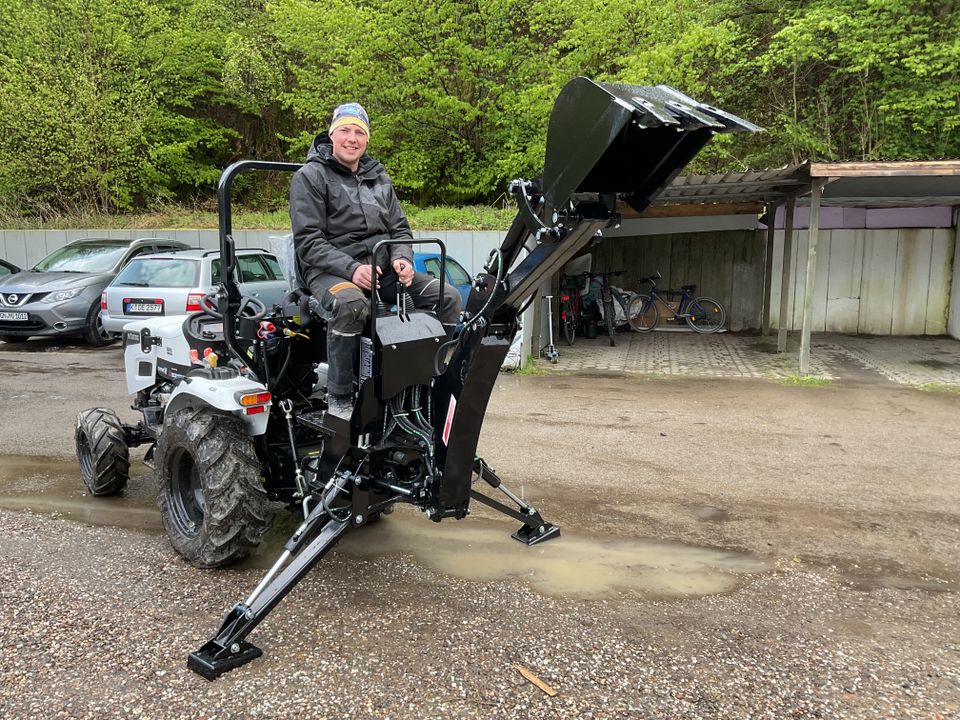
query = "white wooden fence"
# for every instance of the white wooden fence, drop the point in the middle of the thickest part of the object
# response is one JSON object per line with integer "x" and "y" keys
{"x": 877, "y": 282}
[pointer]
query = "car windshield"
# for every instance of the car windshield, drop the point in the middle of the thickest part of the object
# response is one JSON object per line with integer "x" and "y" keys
{"x": 458, "y": 276}
{"x": 160, "y": 272}
{"x": 83, "y": 258}
{"x": 455, "y": 271}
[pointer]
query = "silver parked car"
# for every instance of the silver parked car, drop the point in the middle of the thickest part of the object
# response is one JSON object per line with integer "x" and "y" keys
{"x": 60, "y": 295}
{"x": 173, "y": 283}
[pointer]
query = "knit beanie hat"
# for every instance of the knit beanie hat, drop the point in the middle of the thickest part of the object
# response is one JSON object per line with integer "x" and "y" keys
{"x": 350, "y": 114}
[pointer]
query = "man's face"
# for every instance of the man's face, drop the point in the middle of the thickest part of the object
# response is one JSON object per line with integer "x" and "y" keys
{"x": 349, "y": 144}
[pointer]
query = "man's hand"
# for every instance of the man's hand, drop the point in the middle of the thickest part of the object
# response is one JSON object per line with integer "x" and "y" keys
{"x": 363, "y": 279}
{"x": 404, "y": 270}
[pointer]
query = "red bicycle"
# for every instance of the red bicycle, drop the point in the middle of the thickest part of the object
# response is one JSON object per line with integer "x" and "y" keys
{"x": 590, "y": 296}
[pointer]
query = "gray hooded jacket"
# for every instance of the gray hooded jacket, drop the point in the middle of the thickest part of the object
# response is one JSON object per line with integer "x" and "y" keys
{"x": 338, "y": 215}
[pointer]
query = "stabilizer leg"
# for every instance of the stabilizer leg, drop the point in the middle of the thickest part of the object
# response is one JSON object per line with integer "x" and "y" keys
{"x": 535, "y": 529}
{"x": 227, "y": 649}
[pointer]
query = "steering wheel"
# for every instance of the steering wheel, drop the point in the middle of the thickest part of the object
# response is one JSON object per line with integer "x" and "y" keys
{"x": 250, "y": 308}
{"x": 210, "y": 305}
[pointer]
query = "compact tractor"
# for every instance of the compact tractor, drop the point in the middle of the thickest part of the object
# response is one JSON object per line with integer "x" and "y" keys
{"x": 232, "y": 398}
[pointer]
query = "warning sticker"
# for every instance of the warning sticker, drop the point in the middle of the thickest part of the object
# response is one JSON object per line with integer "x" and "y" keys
{"x": 448, "y": 423}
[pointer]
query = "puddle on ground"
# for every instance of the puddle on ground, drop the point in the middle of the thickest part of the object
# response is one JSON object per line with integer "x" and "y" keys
{"x": 709, "y": 513}
{"x": 482, "y": 550}
{"x": 45, "y": 485}
{"x": 477, "y": 549}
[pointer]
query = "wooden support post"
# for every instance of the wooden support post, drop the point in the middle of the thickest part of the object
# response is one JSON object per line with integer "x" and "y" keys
{"x": 784, "y": 321}
{"x": 536, "y": 337}
{"x": 768, "y": 271}
{"x": 817, "y": 190}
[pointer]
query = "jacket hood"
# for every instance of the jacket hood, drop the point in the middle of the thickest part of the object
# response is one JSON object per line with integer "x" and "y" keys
{"x": 321, "y": 150}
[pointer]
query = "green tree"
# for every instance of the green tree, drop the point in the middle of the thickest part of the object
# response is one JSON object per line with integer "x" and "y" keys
{"x": 450, "y": 86}
{"x": 867, "y": 80}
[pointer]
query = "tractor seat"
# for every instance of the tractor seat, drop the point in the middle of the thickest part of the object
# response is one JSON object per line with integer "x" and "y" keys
{"x": 299, "y": 293}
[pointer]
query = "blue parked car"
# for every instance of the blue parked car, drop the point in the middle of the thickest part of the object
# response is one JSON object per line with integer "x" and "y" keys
{"x": 456, "y": 274}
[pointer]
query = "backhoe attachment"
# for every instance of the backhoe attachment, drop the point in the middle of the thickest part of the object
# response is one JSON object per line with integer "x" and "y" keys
{"x": 608, "y": 146}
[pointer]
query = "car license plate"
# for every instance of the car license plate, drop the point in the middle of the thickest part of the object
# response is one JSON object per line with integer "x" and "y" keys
{"x": 14, "y": 316}
{"x": 136, "y": 306}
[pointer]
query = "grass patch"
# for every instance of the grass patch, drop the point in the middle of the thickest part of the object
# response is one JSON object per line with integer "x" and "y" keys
{"x": 531, "y": 367}
{"x": 805, "y": 380}
{"x": 939, "y": 387}
{"x": 470, "y": 217}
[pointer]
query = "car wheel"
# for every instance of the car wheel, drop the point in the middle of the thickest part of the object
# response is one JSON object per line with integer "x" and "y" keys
{"x": 95, "y": 334}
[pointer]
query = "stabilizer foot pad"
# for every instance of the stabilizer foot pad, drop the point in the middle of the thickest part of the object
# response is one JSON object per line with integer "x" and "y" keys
{"x": 535, "y": 535}
{"x": 205, "y": 661}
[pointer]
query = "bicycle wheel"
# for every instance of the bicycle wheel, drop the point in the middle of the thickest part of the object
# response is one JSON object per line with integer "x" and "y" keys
{"x": 569, "y": 321}
{"x": 642, "y": 313}
{"x": 610, "y": 318}
{"x": 706, "y": 315}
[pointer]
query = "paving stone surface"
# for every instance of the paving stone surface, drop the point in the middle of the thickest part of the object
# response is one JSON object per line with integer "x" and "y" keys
{"x": 903, "y": 360}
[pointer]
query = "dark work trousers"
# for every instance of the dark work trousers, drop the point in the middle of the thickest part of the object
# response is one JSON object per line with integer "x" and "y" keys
{"x": 347, "y": 308}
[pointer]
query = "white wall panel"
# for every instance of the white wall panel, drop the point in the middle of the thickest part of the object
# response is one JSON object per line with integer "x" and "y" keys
{"x": 844, "y": 272}
{"x": 942, "y": 259}
{"x": 911, "y": 280}
{"x": 879, "y": 269}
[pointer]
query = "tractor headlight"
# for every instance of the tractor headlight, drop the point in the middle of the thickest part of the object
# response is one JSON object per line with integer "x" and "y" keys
{"x": 61, "y": 295}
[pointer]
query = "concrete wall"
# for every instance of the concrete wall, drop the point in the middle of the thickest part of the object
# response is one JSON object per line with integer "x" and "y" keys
{"x": 726, "y": 266}
{"x": 26, "y": 247}
{"x": 953, "y": 319}
{"x": 875, "y": 282}
{"x": 869, "y": 281}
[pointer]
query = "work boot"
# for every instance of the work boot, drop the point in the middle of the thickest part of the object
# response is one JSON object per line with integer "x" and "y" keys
{"x": 340, "y": 405}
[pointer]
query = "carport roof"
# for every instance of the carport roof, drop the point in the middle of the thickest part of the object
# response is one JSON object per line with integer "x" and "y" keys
{"x": 859, "y": 184}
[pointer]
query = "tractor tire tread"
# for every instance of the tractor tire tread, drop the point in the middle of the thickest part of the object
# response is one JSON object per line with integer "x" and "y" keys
{"x": 110, "y": 455}
{"x": 237, "y": 511}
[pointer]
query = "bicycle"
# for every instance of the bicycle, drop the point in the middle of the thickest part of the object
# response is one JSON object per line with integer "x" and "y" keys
{"x": 702, "y": 314}
{"x": 609, "y": 293}
{"x": 578, "y": 294}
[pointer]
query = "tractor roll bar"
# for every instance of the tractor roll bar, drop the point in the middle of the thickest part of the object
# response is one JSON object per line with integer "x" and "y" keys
{"x": 228, "y": 257}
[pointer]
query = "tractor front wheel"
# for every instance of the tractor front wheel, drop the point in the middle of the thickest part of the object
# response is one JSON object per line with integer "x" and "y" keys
{"x": 209, "y": 487}
{"x": 102, "y": 451}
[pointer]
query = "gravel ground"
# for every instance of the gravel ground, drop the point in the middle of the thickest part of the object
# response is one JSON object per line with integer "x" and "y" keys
{"x": 845, "y": 500}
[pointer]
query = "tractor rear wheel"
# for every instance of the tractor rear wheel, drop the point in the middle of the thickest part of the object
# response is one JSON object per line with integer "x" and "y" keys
{"x": 209, "y": 487}
{"x": 102, "y": 451}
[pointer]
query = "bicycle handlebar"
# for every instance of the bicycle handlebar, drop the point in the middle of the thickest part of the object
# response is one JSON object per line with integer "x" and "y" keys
{"x": 609, "y": 273}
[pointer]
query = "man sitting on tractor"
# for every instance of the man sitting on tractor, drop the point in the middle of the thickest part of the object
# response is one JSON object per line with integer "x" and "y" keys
{"x": 342, "y": 204}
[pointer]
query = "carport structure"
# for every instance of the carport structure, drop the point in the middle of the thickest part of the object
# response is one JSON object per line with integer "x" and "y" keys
{"x": 856, "y": 187}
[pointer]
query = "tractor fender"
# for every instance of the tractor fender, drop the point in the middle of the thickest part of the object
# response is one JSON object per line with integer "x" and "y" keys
{"x": 222, "y": 394}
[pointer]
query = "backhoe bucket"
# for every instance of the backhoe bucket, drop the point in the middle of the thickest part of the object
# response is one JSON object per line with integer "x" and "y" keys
{"x": 625, "y": 140}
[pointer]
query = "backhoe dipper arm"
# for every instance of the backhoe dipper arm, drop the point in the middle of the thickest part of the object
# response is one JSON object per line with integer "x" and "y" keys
{"x": 606, "y": 143}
